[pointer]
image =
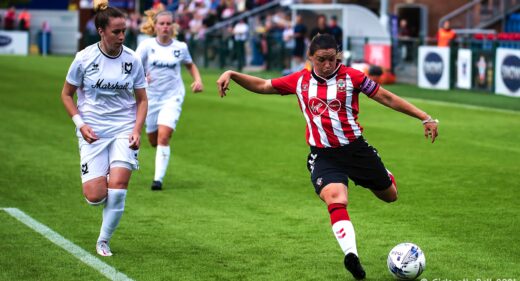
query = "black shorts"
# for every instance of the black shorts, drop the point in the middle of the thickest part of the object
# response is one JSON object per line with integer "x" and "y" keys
{"x": 358, "y": 161}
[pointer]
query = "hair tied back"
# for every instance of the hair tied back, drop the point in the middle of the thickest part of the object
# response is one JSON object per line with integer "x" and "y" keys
{"x": 100, "y": 5}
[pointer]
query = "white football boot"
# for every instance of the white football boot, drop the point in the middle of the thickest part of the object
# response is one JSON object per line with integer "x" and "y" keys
{"x": 103, "y": 249}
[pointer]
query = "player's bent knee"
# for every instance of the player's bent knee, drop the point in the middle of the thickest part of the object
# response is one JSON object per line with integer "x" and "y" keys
{"x": 95, "y": 200}
{"x": 334, "y": 193}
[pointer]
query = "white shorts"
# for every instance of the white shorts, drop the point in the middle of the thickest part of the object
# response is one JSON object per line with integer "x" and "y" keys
{"x": 163, "y": 112}
{"x": 98, "y": 157}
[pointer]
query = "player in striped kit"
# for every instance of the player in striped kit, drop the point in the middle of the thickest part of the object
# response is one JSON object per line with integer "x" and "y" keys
{"x": 109, "y": 116}
{"x": 328, "y": 97}
{"x": 162, "y": 57}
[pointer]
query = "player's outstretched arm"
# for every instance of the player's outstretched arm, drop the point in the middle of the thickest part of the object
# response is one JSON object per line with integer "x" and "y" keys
{"x": 248, "y": 82}
{"x": 67, "y": 97}
{"x": 395, "y": 102}
{"x": 197, "y": 85}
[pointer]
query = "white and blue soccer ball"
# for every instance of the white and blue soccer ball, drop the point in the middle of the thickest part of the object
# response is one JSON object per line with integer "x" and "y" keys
{"x": 406, "y": 261}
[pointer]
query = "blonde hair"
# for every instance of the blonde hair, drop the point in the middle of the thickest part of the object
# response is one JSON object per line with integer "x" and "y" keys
{"x": 148, "y": 27}
{"x": 100, "y": 5}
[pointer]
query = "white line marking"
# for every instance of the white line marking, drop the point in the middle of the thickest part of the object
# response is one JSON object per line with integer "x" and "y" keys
{"x": 105, "y": 269}
{"x": 461, "y": 105}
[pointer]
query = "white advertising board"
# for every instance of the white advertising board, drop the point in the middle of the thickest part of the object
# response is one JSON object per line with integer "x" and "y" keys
{"x": 434, "y": 67}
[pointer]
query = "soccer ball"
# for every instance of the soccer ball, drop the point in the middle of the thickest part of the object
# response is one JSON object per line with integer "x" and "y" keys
{"x": 406, "y": 261}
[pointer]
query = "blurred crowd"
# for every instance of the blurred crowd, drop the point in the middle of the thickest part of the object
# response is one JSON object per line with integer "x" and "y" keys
{"x": 13, "y": 20}
{"x": 269, "y": 39}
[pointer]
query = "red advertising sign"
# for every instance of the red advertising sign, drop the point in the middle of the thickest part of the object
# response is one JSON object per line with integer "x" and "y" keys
{"x": 378, "y": 54}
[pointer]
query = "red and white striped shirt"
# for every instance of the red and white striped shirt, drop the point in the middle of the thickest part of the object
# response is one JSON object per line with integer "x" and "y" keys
{"x": 330, "y": 106}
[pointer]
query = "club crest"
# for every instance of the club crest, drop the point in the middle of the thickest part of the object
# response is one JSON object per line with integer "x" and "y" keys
{"x": 341, "y": 85}
{"x": 176, "y": 53}
{"x": 127, "y": 67}
{"x": 305, "y": 87}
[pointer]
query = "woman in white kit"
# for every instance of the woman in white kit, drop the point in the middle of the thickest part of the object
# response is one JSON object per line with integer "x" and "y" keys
{"x": 111, "y": 109}
{"x": 162, "y": 57}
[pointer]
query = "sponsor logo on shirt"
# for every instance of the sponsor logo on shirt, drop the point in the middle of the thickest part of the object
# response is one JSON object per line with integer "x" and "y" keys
{"x": 164, "y": 64}
{"x": 110, "y": 86}
{"x": 318, "y": 106}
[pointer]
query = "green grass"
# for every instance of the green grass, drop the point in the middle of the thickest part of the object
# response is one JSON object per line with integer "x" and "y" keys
{"x": 238, "y": 203}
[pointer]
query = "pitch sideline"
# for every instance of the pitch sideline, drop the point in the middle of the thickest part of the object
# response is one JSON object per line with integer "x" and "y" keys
{"x": 461, "y": 105}
{"x": 92, "y": 261}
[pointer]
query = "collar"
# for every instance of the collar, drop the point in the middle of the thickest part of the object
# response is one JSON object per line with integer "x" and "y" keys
{"x": 324, "y": 79}
{"x": 161, "y": 44}
{"x": 107, "y": 55}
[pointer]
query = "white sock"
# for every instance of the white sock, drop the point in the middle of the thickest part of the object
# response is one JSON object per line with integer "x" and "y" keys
{"x": 162, "y": 156}
{"x": 344, "y": 232}
{"x": 114, "y": 207}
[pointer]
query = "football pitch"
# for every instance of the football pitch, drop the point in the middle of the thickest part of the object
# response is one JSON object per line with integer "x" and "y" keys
{"x": 238, "y": 203}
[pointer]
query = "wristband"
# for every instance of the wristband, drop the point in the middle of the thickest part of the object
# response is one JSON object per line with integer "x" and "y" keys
{"x": 430, "y": 120}
{"x": 78, "y": 121}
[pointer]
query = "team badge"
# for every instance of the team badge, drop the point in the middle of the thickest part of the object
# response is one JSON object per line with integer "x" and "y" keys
{"x": 176, "y": 53}
{"x": 84, "y": 169}
{"x": 126, "y": 67}
{"x": 305, "y": 87}
{"x": 341, "y": 85}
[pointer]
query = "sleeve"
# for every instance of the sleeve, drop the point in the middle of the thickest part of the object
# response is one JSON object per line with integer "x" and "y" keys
{"x": 186, "y": 55}
{"x": 363, "y": 83}
{"x": 139, "y": 75}
{"x": 75, "y": 73}
{"x": 142, "y": 52}
{"x": 286, "y": 85}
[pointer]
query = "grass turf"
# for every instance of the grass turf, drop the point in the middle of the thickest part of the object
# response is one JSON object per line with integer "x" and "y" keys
{"x": 238, "y": 204}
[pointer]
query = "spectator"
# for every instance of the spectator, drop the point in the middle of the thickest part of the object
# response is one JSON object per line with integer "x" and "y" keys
{"x": 299, "y": 40}
{"x": 321, "y": 27}
{"x": 91, "y": 32}
{"x": 10, "y": 19}
{"x": 24, "y": 20}
{"x": 172, "y": 5}
{"x": 445, "y": 35}
{"x": 288, "y": 39}
{"x": 157, "y": 5}
{"x": 405, "y": 44}
{"x": 336, "y": 31}
{"x": 132, "y": 27}
{"x": 240, "y": 33}
{"x": 228, "y": 9}
{"x": 404, "y": 31}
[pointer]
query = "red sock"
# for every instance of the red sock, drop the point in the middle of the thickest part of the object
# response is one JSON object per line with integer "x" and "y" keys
{"x": 392, "y": 178}
{"x": 338, "y": 212}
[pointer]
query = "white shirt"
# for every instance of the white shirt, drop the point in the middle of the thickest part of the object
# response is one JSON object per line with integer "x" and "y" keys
{"x": 241, "y": 31}
{"x": 106, "y": 86}
{"x": 163, "y": 65}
